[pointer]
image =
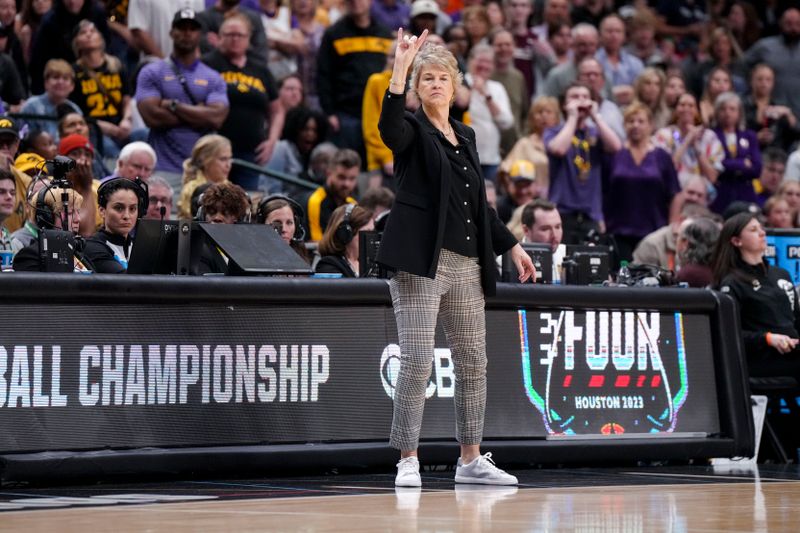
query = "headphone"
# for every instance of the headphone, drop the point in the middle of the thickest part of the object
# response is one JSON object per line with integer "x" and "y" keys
{"x": 141, "y": 189}
{"x": 344, "y": 231}
{"x": 45, "y": 217}
{"x": 297, "y": 211}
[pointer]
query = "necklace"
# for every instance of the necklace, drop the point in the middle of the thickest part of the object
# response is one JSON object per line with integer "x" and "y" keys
{"x": 444, "y": 132}
{"x": 581, "y": 159}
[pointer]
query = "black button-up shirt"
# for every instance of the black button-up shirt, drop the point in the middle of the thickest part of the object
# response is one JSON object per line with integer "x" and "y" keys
{"x": 460, "y": 228}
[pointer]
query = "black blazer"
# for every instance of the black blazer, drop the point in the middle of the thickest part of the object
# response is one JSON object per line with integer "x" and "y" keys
{"x": 335, "y": 264}
{"x": 415, "y": 229}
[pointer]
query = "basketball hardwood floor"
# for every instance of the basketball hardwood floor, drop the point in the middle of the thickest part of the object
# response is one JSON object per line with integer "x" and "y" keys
{"x": 688, "y": 499}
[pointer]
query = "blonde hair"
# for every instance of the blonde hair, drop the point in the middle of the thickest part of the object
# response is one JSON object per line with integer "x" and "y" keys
{"x": 435, "y": 55}
{"x": 52, "y": 199}
{"x": 58, "y": 67}
{"x": 540, "y": 103}
{"x": 769, "y": 205}
{"x": 205, "y": 149}
{"x": 662, "y": 81}
{"x": 637, "y": 107}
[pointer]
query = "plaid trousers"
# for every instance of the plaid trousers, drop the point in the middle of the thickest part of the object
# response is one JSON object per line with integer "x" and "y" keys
{"x": 457, "y": 294}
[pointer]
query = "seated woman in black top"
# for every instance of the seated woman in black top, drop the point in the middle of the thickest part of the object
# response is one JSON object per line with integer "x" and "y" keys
{"x": 339, "y": 244}
{"x": 768, "y": 306}
{"x": 121, "y": 202}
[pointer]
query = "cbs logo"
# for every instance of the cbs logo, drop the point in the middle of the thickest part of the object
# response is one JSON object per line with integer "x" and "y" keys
{"x": 442, "y": 380}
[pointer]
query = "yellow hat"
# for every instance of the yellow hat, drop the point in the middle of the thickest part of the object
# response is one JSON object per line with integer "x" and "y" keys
{"x": 522, "y": 169}
{"x": 28, "y": 161}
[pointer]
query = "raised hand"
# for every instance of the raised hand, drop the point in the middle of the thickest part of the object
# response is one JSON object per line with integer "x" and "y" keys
{"x": 407, "y": 48}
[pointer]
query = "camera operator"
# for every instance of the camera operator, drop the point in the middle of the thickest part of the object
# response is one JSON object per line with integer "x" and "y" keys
{"x": 119, "y": 200}
{"x": 50, "y": 214}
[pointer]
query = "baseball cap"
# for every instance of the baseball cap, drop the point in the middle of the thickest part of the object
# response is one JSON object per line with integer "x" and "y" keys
{"x": 424, "y": 7}
{"x": 184, "y": 15}
{"x": 522, "y": 169}
{"x": 29, "y": 161}
{"x": 9, "y": 125}
{"x": 73, "y": 142}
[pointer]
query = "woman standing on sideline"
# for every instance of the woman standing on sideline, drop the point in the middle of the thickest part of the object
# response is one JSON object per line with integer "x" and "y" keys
{"x": 441, "y": 239}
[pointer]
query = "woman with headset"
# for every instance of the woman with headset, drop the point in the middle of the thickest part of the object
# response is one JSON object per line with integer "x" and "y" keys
{"x": 285, "y": 215}
{"x": 54, "y": 208}
{"x": 121, "y": 203}
{"x": 339, "y": 244}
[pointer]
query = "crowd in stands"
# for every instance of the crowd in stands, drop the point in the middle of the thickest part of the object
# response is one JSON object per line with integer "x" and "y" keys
{"x": 629, "y": 119}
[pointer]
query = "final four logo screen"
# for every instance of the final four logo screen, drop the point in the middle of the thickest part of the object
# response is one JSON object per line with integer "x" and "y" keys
{"x": 604, "y": 372}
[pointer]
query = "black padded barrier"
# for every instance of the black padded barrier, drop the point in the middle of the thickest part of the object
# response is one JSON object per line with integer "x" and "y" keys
{"x": 103, "y": 375}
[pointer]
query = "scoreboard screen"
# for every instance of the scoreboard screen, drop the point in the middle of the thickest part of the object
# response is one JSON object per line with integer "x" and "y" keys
{"x": 618, "y": 372}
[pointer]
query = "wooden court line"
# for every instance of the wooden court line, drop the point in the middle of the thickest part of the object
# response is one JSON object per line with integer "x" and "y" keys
{"x": 709, "y": 476}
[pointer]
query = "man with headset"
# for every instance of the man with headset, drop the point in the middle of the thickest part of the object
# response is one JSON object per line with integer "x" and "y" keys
{"x": 121, "y": 203}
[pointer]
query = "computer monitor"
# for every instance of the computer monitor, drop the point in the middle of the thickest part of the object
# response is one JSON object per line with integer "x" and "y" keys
{"x": 783, "y": 250}
{"x": 586, "y": 264}
{"x": 57, "y": 250}
{"x": 542, "y": 257}
{"x": 369, "y": 242}
{"x": 586, "y": 267}
{"x": 155, "y": 248}
{"x": 254, "y": 249}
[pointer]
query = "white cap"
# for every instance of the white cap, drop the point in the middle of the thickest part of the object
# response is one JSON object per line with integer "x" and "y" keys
{"x": 424, "y": 7}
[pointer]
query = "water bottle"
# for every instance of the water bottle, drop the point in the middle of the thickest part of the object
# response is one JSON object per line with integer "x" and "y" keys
{"x": 624, "y": 275}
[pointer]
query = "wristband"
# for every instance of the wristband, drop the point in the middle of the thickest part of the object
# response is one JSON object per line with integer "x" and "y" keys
{"x": 769, "y": 339}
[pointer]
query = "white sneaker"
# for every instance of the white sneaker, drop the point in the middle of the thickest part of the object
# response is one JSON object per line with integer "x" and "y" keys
{"x": 482, "y": 471}
{"x": 408, "y": 473}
